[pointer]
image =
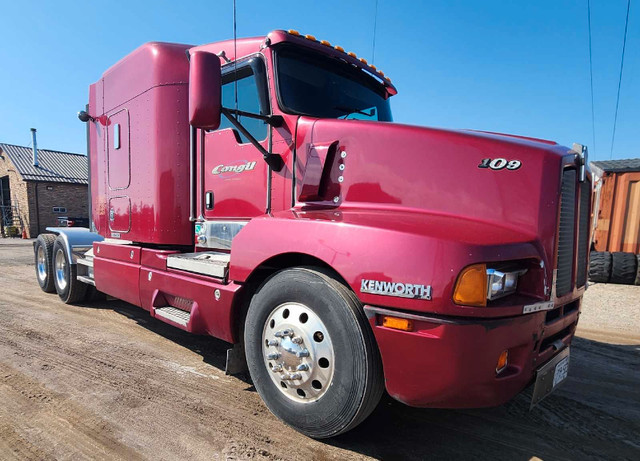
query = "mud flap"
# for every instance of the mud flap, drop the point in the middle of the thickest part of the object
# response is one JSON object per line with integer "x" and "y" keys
{"x": 236, "y": 361}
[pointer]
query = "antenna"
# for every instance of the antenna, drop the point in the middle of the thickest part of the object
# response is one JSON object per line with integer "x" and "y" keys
{"x": 375, "y": 23}
{"x": 593, "y": 111}
{"x": 235, "y": 57}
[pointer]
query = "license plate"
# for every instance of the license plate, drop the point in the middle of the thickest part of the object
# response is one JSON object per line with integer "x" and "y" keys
{"x": 550, "y": 375}
{"x": 561, "y": 371}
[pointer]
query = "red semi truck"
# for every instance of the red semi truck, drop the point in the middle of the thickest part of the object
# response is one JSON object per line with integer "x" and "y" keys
{"x": 258, "y": 192}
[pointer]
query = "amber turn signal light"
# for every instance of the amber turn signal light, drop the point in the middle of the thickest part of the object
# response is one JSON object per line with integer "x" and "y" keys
{"x": 471, "y": 287}
{"x": 397, "y": 323}
{"x": 502, "y": 361}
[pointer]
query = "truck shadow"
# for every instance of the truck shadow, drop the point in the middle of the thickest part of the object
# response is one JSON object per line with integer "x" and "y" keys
{"x": 595, "y": 414}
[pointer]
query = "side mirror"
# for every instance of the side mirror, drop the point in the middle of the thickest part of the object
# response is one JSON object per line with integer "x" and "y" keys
{"x": 205, "y": 88}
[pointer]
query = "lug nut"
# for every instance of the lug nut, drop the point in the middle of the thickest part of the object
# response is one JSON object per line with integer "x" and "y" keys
{"x": 303, "y": 353}
{"x": 273, "y": 356}
{"x": 276, "y": 368}
{"x": 302, "y": 367}
{"x": 284, "y": 333}
{"x": 297, "y": 340}
{"x": 292, "y": 376}
{"x": 273, "y": 342}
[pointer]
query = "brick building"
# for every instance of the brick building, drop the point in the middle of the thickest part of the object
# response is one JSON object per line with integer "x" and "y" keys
{"x": 38, "y": 188}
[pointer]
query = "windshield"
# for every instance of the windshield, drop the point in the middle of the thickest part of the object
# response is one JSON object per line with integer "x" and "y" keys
{"x": 314, "y": 84}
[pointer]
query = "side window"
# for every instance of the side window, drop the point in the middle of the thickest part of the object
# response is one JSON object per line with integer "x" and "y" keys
{"x": 248, "y": 101}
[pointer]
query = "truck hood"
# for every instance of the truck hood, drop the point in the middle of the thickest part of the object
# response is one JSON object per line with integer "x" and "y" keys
{"x": 390, "y": 166}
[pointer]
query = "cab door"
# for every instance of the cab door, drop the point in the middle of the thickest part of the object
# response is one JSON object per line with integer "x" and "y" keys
{"x": 235, "y": 175}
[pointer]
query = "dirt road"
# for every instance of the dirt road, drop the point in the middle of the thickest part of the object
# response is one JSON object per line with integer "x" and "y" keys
{"x": 105, "y": 381}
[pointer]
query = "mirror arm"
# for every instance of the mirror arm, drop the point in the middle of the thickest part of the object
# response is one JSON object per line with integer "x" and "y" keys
{"x": 273, "y": 120}
{"x": 273, "y": 160}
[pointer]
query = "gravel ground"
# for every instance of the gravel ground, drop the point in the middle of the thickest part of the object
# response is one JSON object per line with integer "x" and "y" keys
{"x": 611, "y": 309}
{"x": 106, "y": 381}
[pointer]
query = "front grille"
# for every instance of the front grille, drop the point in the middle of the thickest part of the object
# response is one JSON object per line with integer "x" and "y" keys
{"x": 566, "y": 232}
{"x": 583, "y": 232}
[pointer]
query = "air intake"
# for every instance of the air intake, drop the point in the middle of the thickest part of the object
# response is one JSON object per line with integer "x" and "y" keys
{"x": 583, "y": 232}
{"x": 566, "y": 239}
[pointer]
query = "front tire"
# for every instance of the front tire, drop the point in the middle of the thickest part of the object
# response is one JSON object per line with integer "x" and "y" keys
{"x": 43, "y": 252}
{"x": 311, "y": 353}
{"x": 69, "y": 288}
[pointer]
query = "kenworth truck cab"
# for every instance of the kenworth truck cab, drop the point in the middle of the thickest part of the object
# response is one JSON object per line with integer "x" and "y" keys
{"x": 259, "y": 192}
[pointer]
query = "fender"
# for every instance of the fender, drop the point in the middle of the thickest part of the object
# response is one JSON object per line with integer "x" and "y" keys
{"x": 392, "y": 246}
{"x": 74, "y": 238}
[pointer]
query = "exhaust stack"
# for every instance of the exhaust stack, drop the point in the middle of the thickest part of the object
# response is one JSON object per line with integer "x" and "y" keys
{"x": 35, "y": 147}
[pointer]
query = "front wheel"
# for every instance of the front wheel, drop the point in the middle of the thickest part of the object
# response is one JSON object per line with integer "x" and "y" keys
{"x": 69, "y": 288}
{"x": 311, "y": 353}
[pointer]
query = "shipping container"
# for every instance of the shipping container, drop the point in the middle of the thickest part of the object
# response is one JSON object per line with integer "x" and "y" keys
{"x": 617, "y": 205}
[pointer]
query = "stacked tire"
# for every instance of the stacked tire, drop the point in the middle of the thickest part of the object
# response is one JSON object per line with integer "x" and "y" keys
{"x": 618, "y": 267}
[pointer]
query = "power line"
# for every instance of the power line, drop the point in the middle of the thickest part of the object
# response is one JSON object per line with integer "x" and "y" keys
{"x": 624, "y": 44}
{"x": 375, "y": 24}
{"x": 593, "y": 112}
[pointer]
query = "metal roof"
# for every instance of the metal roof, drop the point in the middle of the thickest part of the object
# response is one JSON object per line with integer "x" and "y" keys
{"x": 53, "y": 166}
{"x": 618, "y": 166}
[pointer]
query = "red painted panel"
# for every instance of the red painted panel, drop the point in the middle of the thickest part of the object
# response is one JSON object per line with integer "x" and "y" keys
{"x": 119, "y": 215}
{"x": 118, "y": 279}
{"x": 462, "y": 380}
{"x": 392, "y": 246}
{"x": 126, "y": 253}
{"x": 208, "y": 315}
{"x": 156, "y": 259}
{"x": 118, "y": 150}
{"x": 239, "y": 191}
{"x": 150, "y": 85}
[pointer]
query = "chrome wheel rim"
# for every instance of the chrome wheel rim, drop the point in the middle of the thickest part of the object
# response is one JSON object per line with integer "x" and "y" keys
{"x": 298, "y": 352}
{"x": 41, "y": 264}
{"x": 61, "y": 270}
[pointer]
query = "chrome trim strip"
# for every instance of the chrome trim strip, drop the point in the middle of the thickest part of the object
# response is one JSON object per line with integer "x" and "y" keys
{"x": 205, "y": 263}
{"x": 537, "y": 307}
{"x": 219, "y": 234}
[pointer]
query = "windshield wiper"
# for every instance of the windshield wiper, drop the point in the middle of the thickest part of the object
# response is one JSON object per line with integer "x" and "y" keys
{"x": 351, "y": 110}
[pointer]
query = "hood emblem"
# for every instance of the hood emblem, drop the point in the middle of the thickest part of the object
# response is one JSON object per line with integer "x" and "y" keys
{"x": 398, "y": 289}
{"x": 500, "y": 163}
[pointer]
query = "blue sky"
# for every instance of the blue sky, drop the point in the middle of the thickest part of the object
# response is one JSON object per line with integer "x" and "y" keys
{"x": 517, "y": 67}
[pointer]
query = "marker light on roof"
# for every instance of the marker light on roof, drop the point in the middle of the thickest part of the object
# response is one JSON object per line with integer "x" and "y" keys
{"x": 340, "y": 49}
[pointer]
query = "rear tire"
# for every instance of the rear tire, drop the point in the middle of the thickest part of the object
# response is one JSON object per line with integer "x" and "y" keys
{"x": 624, "y": 268}
{"x": 43, "y": 253}
{"x": 69, "y": 288}
{"x": 319, "y": 315}
{"x": 637, "y": 282}
{"x": 600, "y": 266}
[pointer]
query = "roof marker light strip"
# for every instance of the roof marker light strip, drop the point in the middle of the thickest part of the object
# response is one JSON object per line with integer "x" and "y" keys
{"x": 295, "y": 33}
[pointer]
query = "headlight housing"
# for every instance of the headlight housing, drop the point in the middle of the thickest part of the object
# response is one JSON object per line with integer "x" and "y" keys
{"x": 502, "y": 283}
{"x": 478, "y": 284}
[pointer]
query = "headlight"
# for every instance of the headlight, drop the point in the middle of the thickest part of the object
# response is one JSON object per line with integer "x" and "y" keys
{"x": 501, "y": 283}
{"x": 478, "y": 284}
